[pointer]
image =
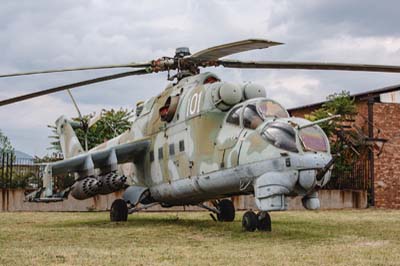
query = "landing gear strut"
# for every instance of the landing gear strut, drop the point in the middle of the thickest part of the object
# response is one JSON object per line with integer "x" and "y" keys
{"x": 119, "y": 211}
{"x": 260, "y": 221}
{"x": 224, "y": 209}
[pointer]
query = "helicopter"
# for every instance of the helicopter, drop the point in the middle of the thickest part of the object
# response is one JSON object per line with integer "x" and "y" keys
{"x": 200, "y": 140}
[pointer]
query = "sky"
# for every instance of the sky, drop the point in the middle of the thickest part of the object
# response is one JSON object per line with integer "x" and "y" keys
{"x": 46, "y": 34}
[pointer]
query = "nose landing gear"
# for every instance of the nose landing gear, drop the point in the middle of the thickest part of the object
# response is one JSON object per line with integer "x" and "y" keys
{"x": 260, "y": 221}
{"x": 226, "y": 211}
{"x": 119, "y": 211}
{"x": 264, "y": 221}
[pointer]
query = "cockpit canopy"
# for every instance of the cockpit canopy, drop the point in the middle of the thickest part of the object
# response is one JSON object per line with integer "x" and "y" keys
{"x": 279, "y": 133}
{"x": 313, "y": 139}
{"x": 252, "y": 114}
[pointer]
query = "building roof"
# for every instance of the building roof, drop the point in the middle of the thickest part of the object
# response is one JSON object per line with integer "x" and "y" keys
{"x": 22, "y": 155}
{"x": 358, "y": 96}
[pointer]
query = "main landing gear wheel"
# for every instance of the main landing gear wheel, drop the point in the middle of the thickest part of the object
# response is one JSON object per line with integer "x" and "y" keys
{"x": 249, "y": 221}
{"x": 119, "y": 211}
{"x": 261, "y": 221}
{"x": 226, "y": 211}
{"x": 264, "y": 221}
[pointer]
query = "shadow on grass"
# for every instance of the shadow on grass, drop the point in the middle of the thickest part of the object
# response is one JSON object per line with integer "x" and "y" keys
{"x": 282, "y": 230}
{"x": 141, "y": 221}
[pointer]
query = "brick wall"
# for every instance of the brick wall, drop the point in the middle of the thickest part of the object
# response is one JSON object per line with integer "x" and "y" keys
{"x": 387, "y": 165}
{"x": 302, "y": 112}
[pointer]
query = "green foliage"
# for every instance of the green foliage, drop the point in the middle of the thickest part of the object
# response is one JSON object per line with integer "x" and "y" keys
{"x": 111, "y": 124}
{"x": 24, "y": 179}
{"x": 341, "y": 103}
{"x": 19, "y": 176}
{"x": 337, "y": 104}
{"x": 5, "y": 144}
{"x": 45, "y": 159}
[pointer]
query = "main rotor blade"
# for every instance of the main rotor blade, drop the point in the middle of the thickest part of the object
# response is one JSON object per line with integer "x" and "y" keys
{"x": 309, "y": 65}
{"x": 73, "y": 85}
{"x": 132, "y": 65}
{"x": 216, "y": 52}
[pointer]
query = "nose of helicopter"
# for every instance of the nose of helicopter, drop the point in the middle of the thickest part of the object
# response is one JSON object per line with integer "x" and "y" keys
{"x": 294, "y": 174}
{"x": 314, "y": 168}
{"x": 295, "y": 135}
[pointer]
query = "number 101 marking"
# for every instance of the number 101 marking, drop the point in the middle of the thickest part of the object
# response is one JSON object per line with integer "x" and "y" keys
{"x": 194, "y": 104}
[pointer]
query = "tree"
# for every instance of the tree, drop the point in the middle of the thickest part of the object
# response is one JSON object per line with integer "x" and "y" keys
{"x": 338, "y": 104}
{"x": 5, "y": 144}
{"x": 111, "y": 124}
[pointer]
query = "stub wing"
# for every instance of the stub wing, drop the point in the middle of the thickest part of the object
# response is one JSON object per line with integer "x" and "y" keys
{"x": 106, "y": 160}
{"x": 84, "y": 165}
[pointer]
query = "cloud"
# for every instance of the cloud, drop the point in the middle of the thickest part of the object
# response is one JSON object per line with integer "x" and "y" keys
{"x": 51, "y": 34}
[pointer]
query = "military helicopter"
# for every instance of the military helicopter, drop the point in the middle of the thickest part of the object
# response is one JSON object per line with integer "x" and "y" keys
{"x": 200, "y": 140}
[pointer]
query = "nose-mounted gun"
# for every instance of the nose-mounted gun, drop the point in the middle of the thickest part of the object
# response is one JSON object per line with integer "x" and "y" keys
{"x": 317, "y": 122}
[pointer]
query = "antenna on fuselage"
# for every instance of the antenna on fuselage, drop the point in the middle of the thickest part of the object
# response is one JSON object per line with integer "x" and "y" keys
{"x": 85, "y": 126}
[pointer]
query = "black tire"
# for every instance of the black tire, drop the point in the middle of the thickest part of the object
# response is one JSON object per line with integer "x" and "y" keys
{"x": 264, "y": 221}
{"x": 227, "y": 211}
{"x": 249, "y": 221}
{"x": 119, "y": 211}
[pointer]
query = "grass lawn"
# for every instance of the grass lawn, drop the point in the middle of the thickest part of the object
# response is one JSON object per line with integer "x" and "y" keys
{"x": 346, "y": 237}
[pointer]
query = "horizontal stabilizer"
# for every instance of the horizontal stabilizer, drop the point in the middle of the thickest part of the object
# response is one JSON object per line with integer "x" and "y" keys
{"x": 35, "y": 196}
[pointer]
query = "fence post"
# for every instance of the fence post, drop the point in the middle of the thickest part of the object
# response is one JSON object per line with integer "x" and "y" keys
{"x": 2, "y": 171}
{"x": 3, "y": 183}
{"x": 11, "y": 169}
{"x": 6, "y": 178}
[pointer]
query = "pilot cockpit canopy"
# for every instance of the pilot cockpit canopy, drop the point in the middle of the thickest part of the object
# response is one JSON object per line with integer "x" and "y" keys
{"x": 270, "y": 108}
{"x": 255, "y": 112}
{"x": 251, "y": 115}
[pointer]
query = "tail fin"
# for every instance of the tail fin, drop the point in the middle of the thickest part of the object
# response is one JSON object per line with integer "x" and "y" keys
{"x": 70, "y": 144}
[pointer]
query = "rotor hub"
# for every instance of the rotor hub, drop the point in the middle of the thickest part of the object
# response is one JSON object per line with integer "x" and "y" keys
{"x": 181, "y": 52}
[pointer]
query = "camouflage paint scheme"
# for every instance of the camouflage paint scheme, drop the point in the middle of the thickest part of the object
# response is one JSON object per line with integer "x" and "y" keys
{"x": 200, "y": 139}
{"x": 217, "y": 159}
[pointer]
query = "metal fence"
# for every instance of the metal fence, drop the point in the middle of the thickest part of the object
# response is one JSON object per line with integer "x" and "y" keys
{"x": 24, "y": 173}
{"x": 355, "y": 177}
{"x": 18, "y": 172}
